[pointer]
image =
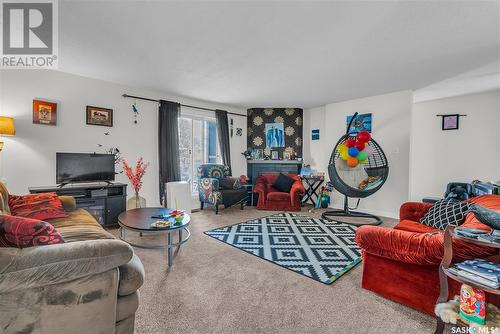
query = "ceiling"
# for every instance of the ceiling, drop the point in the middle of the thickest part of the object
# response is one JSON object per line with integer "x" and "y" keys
{"x": 256, "y": 54}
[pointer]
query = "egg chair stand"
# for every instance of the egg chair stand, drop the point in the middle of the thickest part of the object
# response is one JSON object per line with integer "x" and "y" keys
{"x": 331, "y": 215}
{"x": 375, "y": 169}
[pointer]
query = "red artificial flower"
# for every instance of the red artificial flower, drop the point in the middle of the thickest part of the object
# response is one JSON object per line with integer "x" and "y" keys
{"x": 135, "y": 177}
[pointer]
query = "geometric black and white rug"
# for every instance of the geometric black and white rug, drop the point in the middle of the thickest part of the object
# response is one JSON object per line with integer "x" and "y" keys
{"x": 313, "y": 247}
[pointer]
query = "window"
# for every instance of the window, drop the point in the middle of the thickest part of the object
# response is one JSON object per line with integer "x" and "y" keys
{"x": 198, "y": 144}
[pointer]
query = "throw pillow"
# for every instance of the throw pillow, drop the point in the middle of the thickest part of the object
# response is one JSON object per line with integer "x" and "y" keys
{"x": 229, "y": 183}
{"x": 37, "y": 206}
{"x": 446, "y": 213}
{"x": 486, "y": 216}
{"x": 24, "y": 232}
{"x": 283, "y": 183}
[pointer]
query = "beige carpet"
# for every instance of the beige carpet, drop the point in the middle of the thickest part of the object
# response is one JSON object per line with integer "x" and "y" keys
{"x": 216, "y": 288}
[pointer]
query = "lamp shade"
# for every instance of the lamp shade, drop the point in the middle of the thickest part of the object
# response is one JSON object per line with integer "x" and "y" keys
{"x": 7, "y": 126}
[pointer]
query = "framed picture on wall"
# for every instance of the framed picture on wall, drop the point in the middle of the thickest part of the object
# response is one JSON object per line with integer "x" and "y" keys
{"x": 44, "y": 112}
{"x": 362, "y": 122}
{"x": 274, "y": 155}
{"x": 275, "y": 135}
{"x": 99, "y": 116}
{"x": 450, "y": 122}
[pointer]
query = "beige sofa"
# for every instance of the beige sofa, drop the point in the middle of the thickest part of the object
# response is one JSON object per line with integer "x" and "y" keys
{"x": 87, "y": 285}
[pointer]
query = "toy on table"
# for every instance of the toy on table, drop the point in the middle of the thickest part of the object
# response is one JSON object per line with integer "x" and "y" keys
{"x": 472, "y": 305}
{"x": 177, "y": 214}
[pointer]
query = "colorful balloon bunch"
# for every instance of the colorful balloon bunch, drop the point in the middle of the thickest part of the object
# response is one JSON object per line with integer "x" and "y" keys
{"x": 356, "y": 151}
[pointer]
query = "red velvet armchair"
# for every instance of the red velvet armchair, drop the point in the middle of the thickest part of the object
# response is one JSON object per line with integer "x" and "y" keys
{"x": 270, "y": 198}
{"x": 402, "y": 263}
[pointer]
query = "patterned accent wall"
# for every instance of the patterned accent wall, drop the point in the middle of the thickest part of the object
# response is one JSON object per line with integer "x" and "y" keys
{"x": 292, "y": 123}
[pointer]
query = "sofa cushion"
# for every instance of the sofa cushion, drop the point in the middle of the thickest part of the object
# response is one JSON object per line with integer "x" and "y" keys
{"x": 283, "y": 183}
{"x": 80, "y": 225}
{"x": 37, "y": 206}
{"x": 22, "y": 232}
{"x": 412, "y": 226}
{"x": 446, "y": 213}
{"x": 131, "y": 276}
{"x": 278, "y": 196}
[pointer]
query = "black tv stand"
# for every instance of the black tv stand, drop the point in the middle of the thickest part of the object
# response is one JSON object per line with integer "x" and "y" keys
{"x": 105, "y": 201}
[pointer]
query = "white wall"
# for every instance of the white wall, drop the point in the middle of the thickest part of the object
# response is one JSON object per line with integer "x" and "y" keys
{"x": 391, "y": 129}
{"x": 28, "y": 159}
{"x": 314, "y": 153}
{"x": 472, "y": 152}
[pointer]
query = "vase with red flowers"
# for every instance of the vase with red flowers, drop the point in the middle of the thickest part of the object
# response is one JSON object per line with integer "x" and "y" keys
{"x": 135, "y": 176}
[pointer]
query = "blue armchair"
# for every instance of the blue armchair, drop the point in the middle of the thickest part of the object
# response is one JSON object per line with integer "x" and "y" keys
{"x": 210, "y": 192}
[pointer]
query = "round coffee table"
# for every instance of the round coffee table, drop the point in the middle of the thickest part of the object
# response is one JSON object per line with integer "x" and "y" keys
{"x": 139, "y": 220}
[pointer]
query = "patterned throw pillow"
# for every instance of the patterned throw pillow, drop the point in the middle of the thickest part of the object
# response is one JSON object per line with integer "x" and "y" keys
{"x": 37, "y": 206}
{"x": 446, "y": 213}
{"x": 24, "y": 232}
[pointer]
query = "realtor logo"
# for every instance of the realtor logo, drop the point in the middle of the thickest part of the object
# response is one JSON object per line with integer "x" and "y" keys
{"x": 29, "y": 34}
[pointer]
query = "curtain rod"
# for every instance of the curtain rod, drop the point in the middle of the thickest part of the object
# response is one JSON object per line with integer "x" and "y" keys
{"x": 182, "y": 105}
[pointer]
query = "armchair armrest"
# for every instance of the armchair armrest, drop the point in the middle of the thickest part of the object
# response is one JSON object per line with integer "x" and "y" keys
{"x": 414, "y": 247}
{"x": 68, "y": 202}
{"x": 297, "y": 190}
{"x": 208, "y": 188}
{"x": 260, "y": 187}
{"x": 43, "y": 265}
{"x": 413, "y": 210}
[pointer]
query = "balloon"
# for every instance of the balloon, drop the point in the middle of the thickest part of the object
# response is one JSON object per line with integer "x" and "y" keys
{"x": 362, "y": 156}
{"x": 363, "y": 137}
{"x": 353, "y": 152}
{"x": 341, "y": 148}
{"x": 360, "y": 146}
{"x": 344, "y": 155}
{"x": 369, "y": 150}
{"x": 364, "y": 161}
{"x": 352, "y": 162}
{"x": 350, "y": 142}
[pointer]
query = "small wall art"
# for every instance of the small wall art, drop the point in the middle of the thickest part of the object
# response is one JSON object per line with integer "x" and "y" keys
{"x": 450, "y": 122}
{"x": 362, "y": 122}
{"x": 44, "y": 112}
{"x": 99, "y": 116}
{"x": 315, "y": 134}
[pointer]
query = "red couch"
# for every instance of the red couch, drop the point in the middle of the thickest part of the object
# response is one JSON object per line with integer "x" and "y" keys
{"x": 402, "y": 263}
{"x": 270, "y": 198}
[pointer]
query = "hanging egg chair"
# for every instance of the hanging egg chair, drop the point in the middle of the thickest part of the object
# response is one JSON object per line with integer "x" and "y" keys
{"x": 358, "y": 168}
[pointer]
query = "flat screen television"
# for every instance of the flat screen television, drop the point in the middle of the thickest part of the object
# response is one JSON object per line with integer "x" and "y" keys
{"x": 84, "y": 167}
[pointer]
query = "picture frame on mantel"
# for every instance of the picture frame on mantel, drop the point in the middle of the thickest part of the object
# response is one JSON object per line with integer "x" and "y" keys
{"x": 99, "y": 116}
{"x": 44, "y": 112}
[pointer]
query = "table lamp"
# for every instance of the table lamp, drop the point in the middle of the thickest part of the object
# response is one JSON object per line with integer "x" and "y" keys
{"x": 7, "y": 128}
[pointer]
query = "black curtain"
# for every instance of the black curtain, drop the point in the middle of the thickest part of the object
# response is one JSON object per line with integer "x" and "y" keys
{"x": 223, "y": 131}
{"x": 168, "y": 144}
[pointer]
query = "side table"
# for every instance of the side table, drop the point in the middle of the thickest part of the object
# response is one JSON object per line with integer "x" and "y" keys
{"x": 449, "y": 235}
{"x": 312, "y": 183}
{"x": 249, "y": 188}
